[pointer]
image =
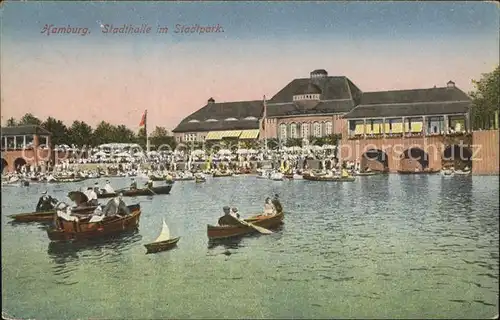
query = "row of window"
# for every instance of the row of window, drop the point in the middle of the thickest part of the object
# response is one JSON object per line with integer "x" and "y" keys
{"x": 228, "y": 119}
{"x": 303, "y": 130}
{"x": 306, "y": 97}
{"x": 191, "y": 137}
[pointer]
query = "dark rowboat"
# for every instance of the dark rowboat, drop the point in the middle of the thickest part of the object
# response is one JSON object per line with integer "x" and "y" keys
{"x": 221, "y": 175}
{"x": 361, "y": 174}
{"x": 67, "y": 180}
{"x": 325, "y": 178}
{"x": 155, "y": 178}
{"x": 82, "y": 230}
{"x": 45, "y": 216}
{"x": 139, "y": 192}
{"x": 184, "y": 179}
{"x": 161, "y": 246}
{"x": 418, "y": 172}
{"x": 225, "y": 232}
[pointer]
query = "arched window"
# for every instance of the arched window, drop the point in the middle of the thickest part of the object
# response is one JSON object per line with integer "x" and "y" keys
{"x": 283, "y": 131}
{"x": 328, "y": 128}
{"x": 317, "y": 129}
{"x": 211, "y": 120}
{"x": 293, "y": 130}
{"x": 231, "y": 119}
{"x": 305, "y": 130}
{"x": 251, "y": 118}
{"x": 193, "y": 121}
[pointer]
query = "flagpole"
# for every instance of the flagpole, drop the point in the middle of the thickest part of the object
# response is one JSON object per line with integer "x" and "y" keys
{"x": 146, "y": 131}
{"x": 264, "y": 123}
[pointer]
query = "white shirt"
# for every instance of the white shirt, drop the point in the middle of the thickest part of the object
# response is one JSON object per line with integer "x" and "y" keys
{"x": 91, "y": 195}
{"x": 108, "y": 188}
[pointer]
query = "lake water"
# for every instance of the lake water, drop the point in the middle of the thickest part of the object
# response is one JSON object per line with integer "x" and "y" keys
{"x": 381, "y": 247}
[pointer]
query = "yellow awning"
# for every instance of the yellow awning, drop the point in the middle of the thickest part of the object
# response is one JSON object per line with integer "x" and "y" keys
{"x": 214, "y": 135}
{"x": 249, "y": 134}
{"x": 231, "y": 134}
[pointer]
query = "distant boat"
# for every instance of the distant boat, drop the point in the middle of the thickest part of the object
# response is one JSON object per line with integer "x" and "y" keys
{"x": 163, "y": 242}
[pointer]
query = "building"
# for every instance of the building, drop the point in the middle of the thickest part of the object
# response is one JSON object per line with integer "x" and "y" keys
{"x": 323, "y": 105}
{"x": 434, "y": 111}
{"x": 221, "y": 120}
{"x": 310, "y": 107}
{"x": 23, "y": 145}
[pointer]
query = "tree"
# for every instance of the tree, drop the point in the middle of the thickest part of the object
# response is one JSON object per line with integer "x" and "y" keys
{"x": 29, "y": 119}
{"x": 80, "y": 134}
{"x": 122, "y": 134}
{"x": 103, "y": 133}
{"x": 294, "y": 142}
{"x": 11, "y": 122}
{"x": 58, "y": 130}
{"x": 160, "y": 138}
{"x": 486, "y": 100}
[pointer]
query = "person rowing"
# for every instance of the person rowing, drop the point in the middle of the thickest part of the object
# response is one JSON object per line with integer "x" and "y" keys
{"x": 45, "y": 203}
{"x": 133, "y": 184}
{"x": 116, "y": 206}
{"x": 108, "y": 188}
{"x": 149, "y": 184}
{"x": 228, "y": 219}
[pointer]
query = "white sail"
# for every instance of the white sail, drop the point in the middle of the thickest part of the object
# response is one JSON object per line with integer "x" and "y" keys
{"x": 165, "y": 233}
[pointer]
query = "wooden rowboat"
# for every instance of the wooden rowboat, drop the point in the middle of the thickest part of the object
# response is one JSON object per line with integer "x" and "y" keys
{"x": 221, "y": 175}
{"x": 327, "y": 178}
{"x": 225, "y": 232}
{"x": 45, "y": 216}
{"x": 83, "y": 230}
{"x": 418, "y": 172}
{"x": 163, "y": 242}
{"x": 155, "y": 178}
{"x": 66, "y": 180}
{"x": 139, "y": 192}
{"x": 361, "y": 174}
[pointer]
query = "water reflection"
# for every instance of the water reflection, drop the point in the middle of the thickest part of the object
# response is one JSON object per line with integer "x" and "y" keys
{"x": 64, "y": 252}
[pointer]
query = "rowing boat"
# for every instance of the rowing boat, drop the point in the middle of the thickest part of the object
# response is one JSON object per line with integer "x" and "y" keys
{"x": 45, "y": 216}
{"x": 66, "y": 180}
{"x": 139, "y": 192}
{"x": 328, "y": 178}
{"x": 418, "y": 172}
{"x": 225, "y": 232}
{"x": 221, "y": 175}
{"x": 369, "y": 173}
{"x": 163, "y": 242}
{"x": 83, "y": 229}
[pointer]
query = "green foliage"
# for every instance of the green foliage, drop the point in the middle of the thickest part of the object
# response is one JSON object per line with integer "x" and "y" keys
{"x": 81, "y": 134}
{"x": 486, "y": 101}
{"x": 29, "y": 119}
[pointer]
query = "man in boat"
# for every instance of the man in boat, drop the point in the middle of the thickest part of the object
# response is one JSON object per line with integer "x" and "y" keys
{"x": 228, "y": 219}
{"x": 149, "y": 184}
{"x": 96, "y": 188}
{"x": 108, "y": 188}
{"x": 133, "y": 184}
{"x": 277, "y": 204}
{"x": 45, "y": 203}
{"x": 116, "y": 206}
{"x": 92, "y": 196}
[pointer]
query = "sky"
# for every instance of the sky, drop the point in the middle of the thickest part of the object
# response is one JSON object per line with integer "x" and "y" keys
{"x": 258, "y": 48}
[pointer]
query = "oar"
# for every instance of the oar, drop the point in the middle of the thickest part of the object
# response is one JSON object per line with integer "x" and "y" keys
{"x": 154, "y": 193}
{"x": 251, "y": 225}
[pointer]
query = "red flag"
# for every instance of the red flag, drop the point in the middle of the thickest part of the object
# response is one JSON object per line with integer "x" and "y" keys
{"x": 143, "y": 119}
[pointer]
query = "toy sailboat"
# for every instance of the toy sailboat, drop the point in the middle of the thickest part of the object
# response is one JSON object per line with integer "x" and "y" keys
{"x": 163, "y": 242}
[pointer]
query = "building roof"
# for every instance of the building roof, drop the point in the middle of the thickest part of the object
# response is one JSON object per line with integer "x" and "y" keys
{"x": 331, "y": 88}
{"x": 408, "y": 109}
{"x": 310, "y": 107}
{"x": 220, "y": 111}
{"x": 416, "y": 102}
{"x": 217, "y": 126}
{"x": 414, "y": 95}
{"x": 25, "y": 130}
